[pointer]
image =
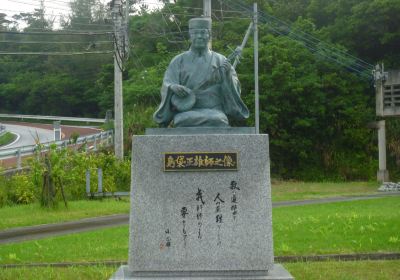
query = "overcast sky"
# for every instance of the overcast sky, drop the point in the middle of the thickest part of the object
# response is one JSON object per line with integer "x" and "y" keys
{"x": 53, "y": 8}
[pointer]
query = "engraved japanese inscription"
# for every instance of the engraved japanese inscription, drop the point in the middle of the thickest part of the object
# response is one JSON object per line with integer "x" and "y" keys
{"x": 201, "y": 161}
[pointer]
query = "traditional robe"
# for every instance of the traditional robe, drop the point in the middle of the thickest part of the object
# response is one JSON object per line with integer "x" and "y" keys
{"x": 217, "y": 93}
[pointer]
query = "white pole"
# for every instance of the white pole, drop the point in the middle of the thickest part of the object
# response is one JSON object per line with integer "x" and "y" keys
{"x": 207, "y": 8}
{"x": 256, "y": 90}
{"x": 118, "y": 102}
{"x": 383, "y": 174}
{"x": 207, "y": 13}
{"x": 19, "y": 159}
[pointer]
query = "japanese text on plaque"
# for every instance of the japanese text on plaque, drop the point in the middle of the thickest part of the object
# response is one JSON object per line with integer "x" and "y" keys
{"x": 200, "y": 161}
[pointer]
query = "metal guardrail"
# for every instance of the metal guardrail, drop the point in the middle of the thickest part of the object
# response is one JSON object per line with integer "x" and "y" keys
{"x": 2, "y": 129}
{"x": 28, "y": 150}
{"x": 52, "y": 118}
{"x": 100, "y": 192}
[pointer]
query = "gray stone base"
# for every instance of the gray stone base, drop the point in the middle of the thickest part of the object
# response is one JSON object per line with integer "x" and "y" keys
{"x": 278, "y": 272}
{"x": 382, "y": 176}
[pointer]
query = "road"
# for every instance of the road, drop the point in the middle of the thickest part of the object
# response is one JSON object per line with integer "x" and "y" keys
{"x": 28, "y": 132}
{"x": 28, "y": 135}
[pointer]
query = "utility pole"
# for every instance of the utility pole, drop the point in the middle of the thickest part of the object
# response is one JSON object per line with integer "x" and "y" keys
{"x": 118, "y": 102}
{"x": 42, "y": 12}
{"x": 207, "y": 8}
{"x": 383, "y": 173}
{"x": 256, "y": 90}
{"x": 126, "y": 29}
{"x": 207, "y": 13}
{"x": 380, "y": 78}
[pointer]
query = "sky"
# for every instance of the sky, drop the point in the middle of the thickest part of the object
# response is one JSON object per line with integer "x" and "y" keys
{"x": 53, "y": 8}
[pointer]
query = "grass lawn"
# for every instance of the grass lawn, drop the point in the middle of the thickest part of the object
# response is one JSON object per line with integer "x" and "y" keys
{"x": 291, "y": 190}
{"x": 345, "y": 227}
{"x": 362, "y": 270}
{"x": 70, "y": 273}
{"x": 26, "y": 215}
{"x": 365, "y": 270}
{"x": 7, "y": 138}
{"x": 33, "y": 214}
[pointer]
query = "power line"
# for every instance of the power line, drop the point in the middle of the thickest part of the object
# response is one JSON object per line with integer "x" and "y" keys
{"x": 46, "y": 14}
{"x": 66, "y": 29}
{"x": 55, "y": 53}
{"x": 52, "y": 1}
{"x": 174, "y": 20}
{"x": 58, "y": 33}
{"x": 193, "y": 8}
{"x": 55, "y": 2}
{"x": 38, "y": 7}
{"x": 86, "y": 24}
{"x": 66, "y": 5}
{"x": 58, "y": 3}
{"x": 62, "y": 17}
{"x": 314, "y": 43}
{"x": 52, "y": 42}
{"x": 313, "y": 40}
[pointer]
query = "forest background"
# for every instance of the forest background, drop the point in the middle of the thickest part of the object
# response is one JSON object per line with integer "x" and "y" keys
{"x": 317, "y": 94}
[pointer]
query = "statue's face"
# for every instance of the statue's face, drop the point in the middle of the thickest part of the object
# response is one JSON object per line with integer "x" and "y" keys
{"x": 199, "y": 38}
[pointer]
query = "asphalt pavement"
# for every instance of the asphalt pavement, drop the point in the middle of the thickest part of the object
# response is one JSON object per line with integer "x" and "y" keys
{"x": 28, "y": 135}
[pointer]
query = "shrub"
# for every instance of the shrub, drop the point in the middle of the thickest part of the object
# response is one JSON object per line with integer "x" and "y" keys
{"x": 63, "y": 171}
{"x": 3, "y": 192}
{"x": 68, "y": 171}
{"x": 18, "y": 189}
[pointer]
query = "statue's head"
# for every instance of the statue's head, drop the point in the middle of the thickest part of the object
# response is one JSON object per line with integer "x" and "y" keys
{"x": 200, "y": 32}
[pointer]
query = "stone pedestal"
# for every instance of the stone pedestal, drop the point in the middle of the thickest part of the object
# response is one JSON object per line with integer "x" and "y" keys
{"x": 277, "y": 272}
{"x": 382, "y": 176}
{"x": 201, "y": 223}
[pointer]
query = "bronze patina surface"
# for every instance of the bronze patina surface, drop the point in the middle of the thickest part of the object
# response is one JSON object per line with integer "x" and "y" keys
{"x": 200, "y": 87}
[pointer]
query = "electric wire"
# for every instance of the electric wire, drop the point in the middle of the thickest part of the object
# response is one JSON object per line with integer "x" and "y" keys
{"x": 361, "y": 66}
{"x": 38, "y": 7}
{"x": 46, "y": 14}
{"x": 306, "y": 36}
{"x": 174, "y": 20}
{"x": 53, "y": 42}
{"x": 55, "y": 53}
{"x": 68, "y": 21}
{"x": 66, "y": 29}
{"x": 118, "y": 53}
{"x": 195, "y": 8}
{"x": 61, "y": 3}
{"x": 288, "y": 27}
{"x": 69, "y": 33}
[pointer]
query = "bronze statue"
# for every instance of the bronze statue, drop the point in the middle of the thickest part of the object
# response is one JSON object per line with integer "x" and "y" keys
{"x": 200, "y": 87}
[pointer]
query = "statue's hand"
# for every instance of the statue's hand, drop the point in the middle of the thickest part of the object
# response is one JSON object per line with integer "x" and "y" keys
{"x": 180, "y": 90}
{"x": 226, "y": 66}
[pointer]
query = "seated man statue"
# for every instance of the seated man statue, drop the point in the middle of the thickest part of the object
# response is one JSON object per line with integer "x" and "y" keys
{"x": 200, "y": 87}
